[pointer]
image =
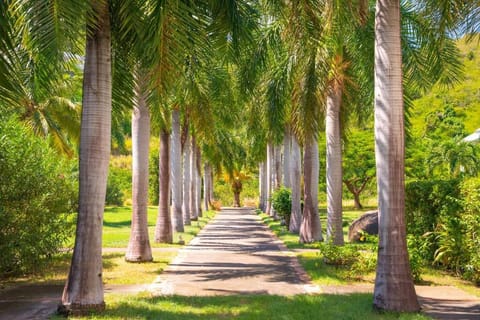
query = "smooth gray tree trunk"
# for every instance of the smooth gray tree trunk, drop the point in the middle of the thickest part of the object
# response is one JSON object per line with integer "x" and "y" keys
{"x": 176, "y": 175}
{"x": 163, "y": 227}
{"x": 287, "y": 147}
{"x": 138, "y": 249}
{"x": 193, "y": 179}
{"x": 295, "y": 172}
{"x": 394, "y": 289}
{"x": 198, "y": 171}
{"x": 310, "y": 229}
{"x": 334, "y": 165}
{"x": 186, "y": 182}
{"x": 270, "y": 177}
{"x": 83, "y": 290}
{"x": 262, "y": 173}
{"x": 206, "y": 186}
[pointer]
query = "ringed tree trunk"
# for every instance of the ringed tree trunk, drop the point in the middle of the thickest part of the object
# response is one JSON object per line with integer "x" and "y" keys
{"x": 334, "y": 165}
{"x": 211, "y": 197}
{"x": 310, "y": 229}
{"x": 176, "y": 173}
{"x": 295, "y": 179}
{"x": 287, "y": 147}
{"x": 138, "y": 249}
{"x": 237, "y": 189}
{"x": 193, "y": 179}
{"x": 263, "y": 186}
{"x": 278, "y": 167}
{"x": 206, "y": 186}
{"x": 394, "y": 289}
{"x": 163, "y": 227}
{"x": 83, "y": 290}
{"x": 186, "y": 182}
{"x": 198, "y": 187}
{"x": 270, "y": 178}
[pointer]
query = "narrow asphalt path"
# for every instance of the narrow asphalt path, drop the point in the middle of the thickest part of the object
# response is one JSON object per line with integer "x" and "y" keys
{"x": 234, "y": 254}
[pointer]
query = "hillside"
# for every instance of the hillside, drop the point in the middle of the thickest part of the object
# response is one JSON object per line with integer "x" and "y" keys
{"x": 464, "y": 97}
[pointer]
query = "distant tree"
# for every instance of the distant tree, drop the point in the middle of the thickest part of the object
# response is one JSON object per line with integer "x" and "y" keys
{"x": 359, "y": 163}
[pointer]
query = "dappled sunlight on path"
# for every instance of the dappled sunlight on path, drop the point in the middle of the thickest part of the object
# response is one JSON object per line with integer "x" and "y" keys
{"x": 234, "y": 254}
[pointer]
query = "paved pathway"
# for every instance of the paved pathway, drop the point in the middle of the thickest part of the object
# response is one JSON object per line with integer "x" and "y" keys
{"x": 234, "y": 254}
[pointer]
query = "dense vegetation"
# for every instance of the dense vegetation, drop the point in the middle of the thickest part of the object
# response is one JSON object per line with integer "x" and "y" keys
{"x": 38, "y": 192}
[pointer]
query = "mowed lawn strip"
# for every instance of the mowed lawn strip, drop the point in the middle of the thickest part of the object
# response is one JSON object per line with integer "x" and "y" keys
{"x": 254, "y": 307}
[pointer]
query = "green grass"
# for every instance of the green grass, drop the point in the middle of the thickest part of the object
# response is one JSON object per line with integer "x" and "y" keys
{"x": 116, "y": 227}
{"x": 354, "y": 306}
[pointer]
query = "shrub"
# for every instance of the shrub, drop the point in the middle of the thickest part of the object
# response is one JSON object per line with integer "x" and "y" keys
{"x": 282, "y": 203}
{"x": 38, "y": 194}
{"x": 118, "y": 184}
{"x": 339, "y": 255}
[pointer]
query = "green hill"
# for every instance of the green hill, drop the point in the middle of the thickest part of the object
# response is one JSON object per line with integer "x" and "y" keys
{"x": 463, "y": 97}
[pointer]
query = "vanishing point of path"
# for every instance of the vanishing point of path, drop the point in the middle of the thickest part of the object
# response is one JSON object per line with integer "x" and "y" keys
{"x": 234, "y": 254}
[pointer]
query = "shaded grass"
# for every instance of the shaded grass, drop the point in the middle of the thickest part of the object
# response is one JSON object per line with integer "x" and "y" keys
{"x": 116, "y": 227}
{"x": 354, "y": 306}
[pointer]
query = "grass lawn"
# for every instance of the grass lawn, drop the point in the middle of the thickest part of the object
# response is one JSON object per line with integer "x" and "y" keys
{"x": 116, "y": 227}
{"x": 143, "y": 306}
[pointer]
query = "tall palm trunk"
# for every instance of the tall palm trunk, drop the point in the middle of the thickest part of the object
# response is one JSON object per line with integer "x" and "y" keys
{"x": 211, "y": 197}
{"x": 198, "y": 187}
{"x": 206, "y": 186}
{"x": 262, "y": 173}
{"x": 193, "y": 179}
{"x": 294, "y": 171}
{"x": 138, "y": 249}
{"x": 287, "y": 146}
{"x": 278, "y": 166}
{"x": 176, "y": 173}
{"x": 270, "y": 177}
{"x": 334, "y": 165}
{"x": 84, "y": 288}
{"x": 163, "y": 227}
{"x": 310, "y": 230}
{"x": 394, "y": 288}
{"x": 186, "y": 182}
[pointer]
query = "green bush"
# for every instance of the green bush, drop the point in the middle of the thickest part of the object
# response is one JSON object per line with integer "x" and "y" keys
{"x": 153, "y": 176}
{"x": 118, "y": 184}
{"x": 38, "y": 192}
{"x": 339, "y": 255}
{"x": 282, "y": 203}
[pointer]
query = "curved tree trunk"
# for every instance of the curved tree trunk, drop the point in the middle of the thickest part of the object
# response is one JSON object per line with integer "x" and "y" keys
{"x": 186, "y": 182}
{"x": 270, "y": 177}
{"x": 287, "y": 147}
{"x": 83, "y": 290}
{"x": 138, "y": 249}
{"x": 163, "y": 227}
{"x": 176, "y": 173}
{"x": 334, "y": 165}
{"x": 295, "y": 180}
{"x": 193, "y": 179}
{"x": 310, "y": 230}
{"x": 394, "y": 289}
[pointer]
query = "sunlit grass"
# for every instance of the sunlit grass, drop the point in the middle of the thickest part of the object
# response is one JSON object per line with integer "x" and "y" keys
{"x": 143, "y": 306}
{"x": 116, "y": 227}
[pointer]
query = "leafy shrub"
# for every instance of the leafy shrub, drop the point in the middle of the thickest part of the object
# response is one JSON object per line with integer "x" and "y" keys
{"x": 38, "y": 192}
{"x": 339, "y": 255}
{"x": 153, "y": 176}
{"x": 118, "y": 184}
{"x": 282, "y": 203}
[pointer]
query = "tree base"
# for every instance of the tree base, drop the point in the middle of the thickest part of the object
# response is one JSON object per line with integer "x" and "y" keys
{"x": 76, "y": 309}
{"x": 138, "y": 259}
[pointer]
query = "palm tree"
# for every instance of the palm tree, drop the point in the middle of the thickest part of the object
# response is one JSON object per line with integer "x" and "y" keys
{"x": 295, "y": 172}
{"x": 176, "y": 172}
{"x": 394, "y": 288}
{"x": 163, "y": 227}
{"x": 186, "y": 209}
{"x": 138, "y": 249}
{"x": 84, "y": 286}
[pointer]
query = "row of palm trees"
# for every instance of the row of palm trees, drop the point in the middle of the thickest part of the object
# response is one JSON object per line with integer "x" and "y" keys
{"x": 156, "y": 53}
